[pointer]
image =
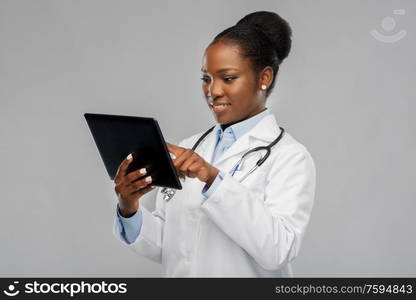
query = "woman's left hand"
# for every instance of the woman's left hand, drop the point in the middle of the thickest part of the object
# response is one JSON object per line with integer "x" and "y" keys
{"x": 190, "y": 164}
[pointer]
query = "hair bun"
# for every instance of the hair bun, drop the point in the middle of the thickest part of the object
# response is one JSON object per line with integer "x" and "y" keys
{"x": 274, "y": 27}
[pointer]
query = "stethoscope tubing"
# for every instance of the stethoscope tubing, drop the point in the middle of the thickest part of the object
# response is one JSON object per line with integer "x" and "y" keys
{"x": 169, "y": 193}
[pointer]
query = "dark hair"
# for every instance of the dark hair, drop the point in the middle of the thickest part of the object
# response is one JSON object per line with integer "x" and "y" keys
{"x": 263, "y": 37}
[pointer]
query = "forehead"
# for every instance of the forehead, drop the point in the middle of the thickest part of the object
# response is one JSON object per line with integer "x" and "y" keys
{"x": 221, "y": 56}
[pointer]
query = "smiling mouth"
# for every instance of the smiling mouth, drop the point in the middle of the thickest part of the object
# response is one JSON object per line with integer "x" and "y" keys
{"x": 219, "y": 107}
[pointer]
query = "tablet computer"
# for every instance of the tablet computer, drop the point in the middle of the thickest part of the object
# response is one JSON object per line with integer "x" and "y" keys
{"x": 117, "y": 136}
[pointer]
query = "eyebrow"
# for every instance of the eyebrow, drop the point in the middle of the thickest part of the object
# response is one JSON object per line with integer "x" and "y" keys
{"x": 220, "y": 70}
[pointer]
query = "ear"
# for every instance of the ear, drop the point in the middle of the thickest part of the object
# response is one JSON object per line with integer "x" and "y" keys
{"x": 266, "y": 77}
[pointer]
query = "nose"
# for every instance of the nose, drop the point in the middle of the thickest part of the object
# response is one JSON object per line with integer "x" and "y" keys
{"x": 215, "y": 89}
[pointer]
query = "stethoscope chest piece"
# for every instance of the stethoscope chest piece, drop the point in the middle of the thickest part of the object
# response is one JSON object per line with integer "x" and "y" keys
{"x": 168, "y": 193}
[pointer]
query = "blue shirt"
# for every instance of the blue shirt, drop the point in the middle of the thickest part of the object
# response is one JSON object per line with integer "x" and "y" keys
{"x": 129, "y": 228}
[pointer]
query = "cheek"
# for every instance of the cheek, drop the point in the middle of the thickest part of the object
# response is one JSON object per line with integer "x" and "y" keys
{"x": 242, "y": 94}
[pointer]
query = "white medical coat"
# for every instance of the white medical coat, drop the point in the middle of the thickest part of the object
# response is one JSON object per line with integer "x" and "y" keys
{"x": 248, "y": 229}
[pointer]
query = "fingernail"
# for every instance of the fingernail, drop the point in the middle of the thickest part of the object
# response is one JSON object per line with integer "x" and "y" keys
{"x": 148, "y": 179}
{"x": 129, "y": 156}
{"x": 142, "y": 171}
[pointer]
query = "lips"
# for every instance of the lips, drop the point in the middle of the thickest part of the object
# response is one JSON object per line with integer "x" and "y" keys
{"x": 220, "y": 104}
{"x": 219, "y": 107}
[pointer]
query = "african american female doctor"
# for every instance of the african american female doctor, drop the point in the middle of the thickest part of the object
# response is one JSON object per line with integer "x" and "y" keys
{"x": 232, "y": 218}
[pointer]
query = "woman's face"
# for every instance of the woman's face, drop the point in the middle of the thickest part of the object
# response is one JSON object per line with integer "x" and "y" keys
{"x": 230, "y": 85}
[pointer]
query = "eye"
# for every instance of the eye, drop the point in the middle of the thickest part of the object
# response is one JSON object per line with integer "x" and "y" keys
{"x": 230, "y": 78}
{"x": 205, "y": 79}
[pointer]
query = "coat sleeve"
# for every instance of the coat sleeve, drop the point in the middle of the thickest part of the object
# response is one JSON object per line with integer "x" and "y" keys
{"x": 269, "y": 228}
{"x": 149, "y": 243}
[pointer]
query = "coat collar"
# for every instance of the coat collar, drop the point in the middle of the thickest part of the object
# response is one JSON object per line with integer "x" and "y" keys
{"x": 265, "y": 131}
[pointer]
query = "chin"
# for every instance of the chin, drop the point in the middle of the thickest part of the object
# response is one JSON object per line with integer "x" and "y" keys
{"x": 223, "y": 120}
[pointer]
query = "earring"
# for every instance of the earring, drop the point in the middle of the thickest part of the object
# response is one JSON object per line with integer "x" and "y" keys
{"x": 263, "y": 87}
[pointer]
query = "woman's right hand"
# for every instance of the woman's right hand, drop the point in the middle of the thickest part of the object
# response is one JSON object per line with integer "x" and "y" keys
{"x": 128, "y": 189}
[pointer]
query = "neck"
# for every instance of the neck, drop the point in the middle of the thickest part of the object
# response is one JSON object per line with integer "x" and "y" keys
{"x": 224, "y": 126}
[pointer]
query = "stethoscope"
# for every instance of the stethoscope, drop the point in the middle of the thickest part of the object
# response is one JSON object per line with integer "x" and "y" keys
{"x": 168, "y": 193}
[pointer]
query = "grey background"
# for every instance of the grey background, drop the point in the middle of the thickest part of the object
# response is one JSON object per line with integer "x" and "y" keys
{"x": 346, "y": 96}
